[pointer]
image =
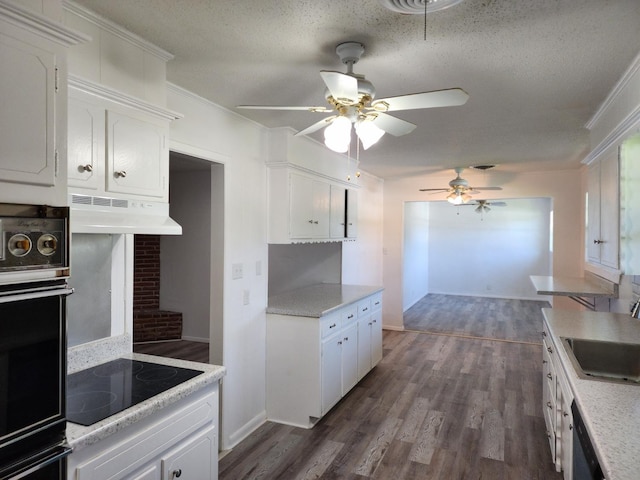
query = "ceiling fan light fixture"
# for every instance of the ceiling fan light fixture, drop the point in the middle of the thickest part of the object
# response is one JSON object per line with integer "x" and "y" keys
{"x": 368, "y": 133}
{"x": 337, "y": 136}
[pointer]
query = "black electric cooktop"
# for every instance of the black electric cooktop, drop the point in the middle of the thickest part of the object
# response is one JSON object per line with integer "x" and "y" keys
{"x": 104, "y": 390}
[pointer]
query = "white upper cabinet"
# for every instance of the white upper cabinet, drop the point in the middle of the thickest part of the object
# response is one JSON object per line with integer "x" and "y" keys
{"x": 306, "y": 208}
{"x": 116, "y": 150}
{"x": 33, "y": 114}
{"x": 352, "y": 213}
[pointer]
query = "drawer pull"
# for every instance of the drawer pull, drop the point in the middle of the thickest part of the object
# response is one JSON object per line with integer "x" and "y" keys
{"x": 365, "y": 309}
{"x": 120, "y": 174}
{"x": 350, "y": 317}
{"x": 549, "y": 349}
{"x": 86, "y": 168}
{"x": 176, "y": 473}
{"x": 332, "y": 326}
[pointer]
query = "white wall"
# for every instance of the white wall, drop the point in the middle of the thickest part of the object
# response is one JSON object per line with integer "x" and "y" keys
{"x": 210, "y": 132}
{"x": 416, "y": 254}
{"x": 563, "y": 187}
{"x": 490, "y": 254}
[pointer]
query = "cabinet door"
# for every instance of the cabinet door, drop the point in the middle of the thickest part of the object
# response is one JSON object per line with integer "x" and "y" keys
{"x": 301, "y": 207}
{"x": 352, "y": 213}
{"x": 593, "y": 213}
{"x": 609, "y": 211}
{"x": 85, "y": 145}
{"x": 27, "y": 115}
{"x": 195, "y": 459}
{"x": 364, "y": 346}
{"x": 321, "y": 209}
{"x": 137, "y": 156}
{"x": 376, "y": 338}
{"x": 338, "y": 205}
{"x": 331, "y": 366}
{"x": 349, "y": 358}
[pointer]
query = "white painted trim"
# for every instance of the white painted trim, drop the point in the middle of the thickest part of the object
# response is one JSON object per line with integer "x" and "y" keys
{"x": 40, "y": 24}
{"x": 617, "y": 89}
{"x": 243, "y": 432}
{"x": 197, "y": 152}
{"x": 615, "y": 137}
{"x": 610, "y": 274}
{"x": 313, "y": 173}
{"x": 116, "y": 30}
{"x": 392, "y": 327}
{"x": 195, "y": 339}
{"x": 107, "y": 93}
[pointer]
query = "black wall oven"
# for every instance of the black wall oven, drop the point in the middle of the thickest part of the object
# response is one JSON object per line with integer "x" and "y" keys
{"x": 33, "y": 289}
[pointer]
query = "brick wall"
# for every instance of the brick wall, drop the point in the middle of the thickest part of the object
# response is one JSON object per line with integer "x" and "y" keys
{"x": 149, "y": 322}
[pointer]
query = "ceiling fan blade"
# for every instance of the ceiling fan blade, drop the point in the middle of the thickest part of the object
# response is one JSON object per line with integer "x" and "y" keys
{"x": 433, "y": 189}
{"x": 438, "y": 98}
{"x": 343, "y": 88}
{"x": 497, "y": 204}
{"x": 393, "y": 125}
{"x": 485, "y": 188}
{"x": 316, "y": 126}
{"x": 282, "y": 107}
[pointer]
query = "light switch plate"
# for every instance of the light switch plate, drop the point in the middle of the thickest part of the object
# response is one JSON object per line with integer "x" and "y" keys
{"x": 236, "y": 271}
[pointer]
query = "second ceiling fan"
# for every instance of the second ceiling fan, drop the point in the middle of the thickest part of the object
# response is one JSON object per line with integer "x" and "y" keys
{"x": 459, "y": 190}
{"x": 352, "y": 101}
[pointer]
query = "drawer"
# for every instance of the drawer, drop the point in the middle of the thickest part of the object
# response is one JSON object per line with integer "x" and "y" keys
{"x": 364, "y": 307}
{"x": 376, "y": 302}
{"x": 349, "y": 314}
{"x": 330, "y": 324}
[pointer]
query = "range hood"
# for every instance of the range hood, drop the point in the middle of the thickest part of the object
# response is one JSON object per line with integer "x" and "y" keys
{"x": 92, "y": 214}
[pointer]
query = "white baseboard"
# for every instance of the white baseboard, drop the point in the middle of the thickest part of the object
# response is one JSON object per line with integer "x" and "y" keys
{"x": 243, "y": 432}
{"x": 195, "y": 339}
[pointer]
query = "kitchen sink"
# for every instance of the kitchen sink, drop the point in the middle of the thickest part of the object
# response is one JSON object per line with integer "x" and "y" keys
{"x": 605, "y": 361}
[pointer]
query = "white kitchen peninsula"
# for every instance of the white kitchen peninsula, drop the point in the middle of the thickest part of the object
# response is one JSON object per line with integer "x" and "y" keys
{"x": 321, "y": 340}
{"x": 170, "y": 434}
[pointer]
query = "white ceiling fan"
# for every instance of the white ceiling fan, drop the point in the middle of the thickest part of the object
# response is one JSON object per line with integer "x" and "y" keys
{"x": 459, "y": 190}
{"x": 482, "y": 206}
{"x": 352, "y": 102}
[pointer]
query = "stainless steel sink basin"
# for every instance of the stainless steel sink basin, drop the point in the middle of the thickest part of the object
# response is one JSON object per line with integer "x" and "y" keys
{"x": 605, "y": 361}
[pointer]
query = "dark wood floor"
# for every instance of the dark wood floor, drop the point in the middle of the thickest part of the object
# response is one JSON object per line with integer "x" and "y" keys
{"x": 498, "y": 318}
{"x": 181, "y": 349}
{"x": 436, "y": 407}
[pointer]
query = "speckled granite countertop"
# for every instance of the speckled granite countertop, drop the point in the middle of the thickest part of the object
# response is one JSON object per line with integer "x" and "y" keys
{"x": 79, "y": 436}
{"x": 611, "y": 411}
{"x": 571, "y": 286}
{"x": 318, "y": 300}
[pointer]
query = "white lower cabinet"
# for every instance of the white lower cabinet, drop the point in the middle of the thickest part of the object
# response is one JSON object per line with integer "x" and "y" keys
{"x": 178, "y": 441}
{"x": 556, "y": 405}
{"x": 313, "y": 362}
{"x": 369, "y": 334}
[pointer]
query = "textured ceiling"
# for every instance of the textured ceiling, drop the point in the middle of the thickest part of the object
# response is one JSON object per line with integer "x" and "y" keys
{"x": 535, "y": 70}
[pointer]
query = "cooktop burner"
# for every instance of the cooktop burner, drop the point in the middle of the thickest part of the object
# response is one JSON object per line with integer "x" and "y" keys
{"x": 104, "y": 390}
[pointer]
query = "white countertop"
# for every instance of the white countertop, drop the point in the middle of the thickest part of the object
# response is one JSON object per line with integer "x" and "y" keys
{"x": 79, "y": 436}
{"x": 318, "y": 300}
{"x": 571, "y": 286}
{"x": 611, "y": 411}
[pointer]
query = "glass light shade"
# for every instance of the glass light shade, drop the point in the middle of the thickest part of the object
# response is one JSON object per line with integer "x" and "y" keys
{"x": 368, "y": 133}
{"x": 454, "y": 198}
{"x": 337, "y": 136}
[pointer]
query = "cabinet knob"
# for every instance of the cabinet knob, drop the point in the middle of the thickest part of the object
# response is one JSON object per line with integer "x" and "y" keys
{"x": 315, "y": 222}
{"x": 549, "y": 405}
{"x": 570, "y": 426}
{"x": 310, "y": 221}
{"x": 340, "y": 343}
{"x": 598, "y": 242}
{"x": 549, "y": 349}
{"x": 120, "y": 174}
{"x": 85, "y": 168}
{"x": 544, "y": 361}
{"x": 565, "y": 414}
{"x": 549, "y": 376}
{"x": 176, "y": 473}
{"x": 544, "y": 334}
{"x": 346, "y": 339}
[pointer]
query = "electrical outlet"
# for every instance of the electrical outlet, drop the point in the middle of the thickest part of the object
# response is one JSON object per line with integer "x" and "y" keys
{"x": 236, "y": 271}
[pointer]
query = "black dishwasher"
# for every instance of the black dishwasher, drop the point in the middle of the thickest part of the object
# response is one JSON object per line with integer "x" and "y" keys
{"x": 585, "y": 462}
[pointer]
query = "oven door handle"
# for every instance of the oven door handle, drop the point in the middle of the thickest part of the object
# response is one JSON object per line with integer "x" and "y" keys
{"x": 30, "y": 295}
{"x": 35, "y": 463}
